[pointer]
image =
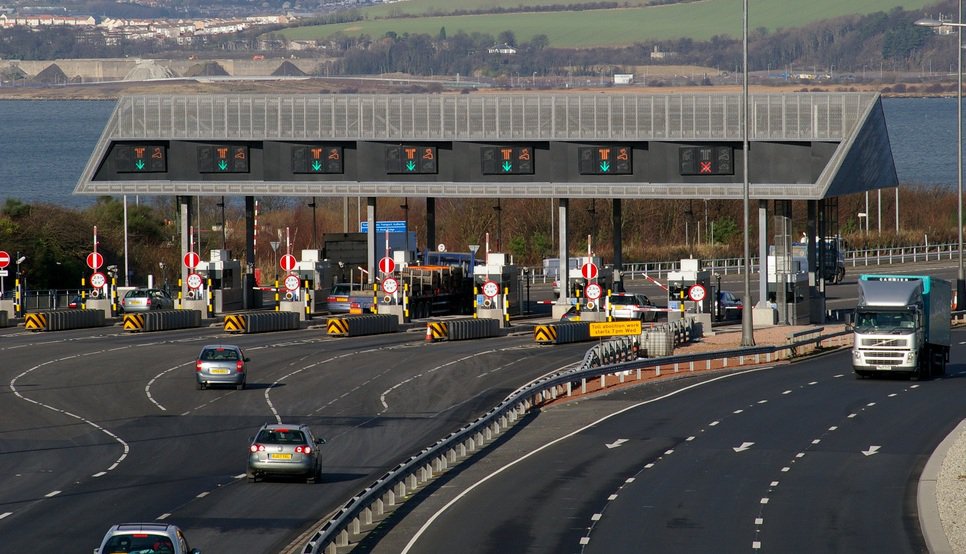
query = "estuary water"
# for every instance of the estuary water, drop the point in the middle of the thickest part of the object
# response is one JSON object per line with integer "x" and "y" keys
{"x": 45, "y": 144}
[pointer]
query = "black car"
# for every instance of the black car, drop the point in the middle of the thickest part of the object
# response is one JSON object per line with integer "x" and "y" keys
{"x": 728, "y": 305}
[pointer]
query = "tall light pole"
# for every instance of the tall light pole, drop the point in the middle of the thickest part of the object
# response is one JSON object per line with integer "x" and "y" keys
{"x": 747, "y": 325}
{"x": 961, "y": 276}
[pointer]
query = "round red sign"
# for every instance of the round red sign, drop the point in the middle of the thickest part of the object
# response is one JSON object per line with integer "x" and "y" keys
{"x": 94, "y": 260}
{"x": 387, "y": 265}
{"x": 4, "y": 259}
{"x": 589, "y": 271}
{"x": 288, "y": 262}
{"x": 191, "y": 260}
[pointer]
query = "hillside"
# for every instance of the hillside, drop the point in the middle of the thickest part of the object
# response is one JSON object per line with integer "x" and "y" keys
{"x": 625, "y": 24}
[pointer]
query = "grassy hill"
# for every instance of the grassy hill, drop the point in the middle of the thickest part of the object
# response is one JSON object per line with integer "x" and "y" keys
{"x": 613, "y": 27}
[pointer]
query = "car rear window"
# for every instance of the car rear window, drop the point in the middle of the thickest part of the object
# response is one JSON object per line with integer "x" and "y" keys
{"x": 213, "y": 354}
{"x": 281, "y": 436}
{"x": 136, "y": 294}
{"x": 340, "y": 290}
{"x": 139, "y": 542}
{"x": 624, "y": 300}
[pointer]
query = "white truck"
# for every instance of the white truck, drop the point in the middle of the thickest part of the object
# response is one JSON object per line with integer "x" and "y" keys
{"x": 901, "y": 325}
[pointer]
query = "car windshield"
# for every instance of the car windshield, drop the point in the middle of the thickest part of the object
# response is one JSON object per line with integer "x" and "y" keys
{"x": 626, "y": 300}
{"x": 281, "y": 436}
{"x": 139, "y": 543}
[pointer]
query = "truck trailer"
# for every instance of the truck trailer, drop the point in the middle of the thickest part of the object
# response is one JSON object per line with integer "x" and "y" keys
{"x": 901, "y": 326}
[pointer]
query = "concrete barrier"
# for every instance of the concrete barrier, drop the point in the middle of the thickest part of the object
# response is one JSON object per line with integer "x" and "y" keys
{"x": 562, "y": 333}
{"x": 162, "y": 320}
{"x": 472, "y": 328}
{"x": 261, "y": 322}
{"x": 358, "y": 325}
{"x": 59, "y": 320}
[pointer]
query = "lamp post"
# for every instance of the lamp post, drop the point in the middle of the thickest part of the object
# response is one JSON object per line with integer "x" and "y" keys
{"x": 961, "y": 275}
{"x": 315, "y": 227}
{"x": 747, "y": 325}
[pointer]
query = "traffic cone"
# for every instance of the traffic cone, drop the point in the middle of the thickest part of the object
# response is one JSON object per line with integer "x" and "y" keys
{"x": 429, "y": 333}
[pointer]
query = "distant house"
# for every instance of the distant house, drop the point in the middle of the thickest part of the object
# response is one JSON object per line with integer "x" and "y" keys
{"x": 505, "y": 49}
{"x": 657, "y": 54}
{"x": 623, "y": 78}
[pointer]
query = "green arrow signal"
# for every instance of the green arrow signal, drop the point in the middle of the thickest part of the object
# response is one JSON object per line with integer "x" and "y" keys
{"x": 316, "y": 165}
{"x": 507, "y": 166}
{"x": 604, "y": 166}
{"x": 410, "y": 165}
{"x": 222, "y": 165}
{"x": 139, "y": 164}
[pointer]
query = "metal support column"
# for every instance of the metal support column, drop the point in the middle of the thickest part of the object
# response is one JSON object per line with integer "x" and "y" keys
{"x": 184, "y": 208}
{"x": 762, "y": 253}
{"x": 562, "y": 254}
{"x": 248, "y": 278}
{"x": 371, "y": 241}
{"x": 616, "y": 223}
{"x": 430, "y": 228}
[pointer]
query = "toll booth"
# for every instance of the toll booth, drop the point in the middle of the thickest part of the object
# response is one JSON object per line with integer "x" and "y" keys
{"x": 590, "y": 291}
{"x": 788, "y": 287}
{"x": 689, "y": 290}
{"x": 492, "y": 282}
{"x": 222, "y": 280}
{"x": 316, "y": 275}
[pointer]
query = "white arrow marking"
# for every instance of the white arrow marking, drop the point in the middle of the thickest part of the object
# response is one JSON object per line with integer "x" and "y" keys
{"x": 744, "y": 446}
{"x": 872, "y": 450}
{"x": 616, "y": 443}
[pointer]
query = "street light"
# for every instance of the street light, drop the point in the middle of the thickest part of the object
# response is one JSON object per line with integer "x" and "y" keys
{"x": 315, "y": 227}
{"x": 961, "y": 276}
{"x": 747, "y": 326}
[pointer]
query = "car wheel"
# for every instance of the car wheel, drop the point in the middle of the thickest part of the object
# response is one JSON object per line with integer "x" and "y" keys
{"x": 315, "y": 476}
{"x": 250, "y": 475}
{"x": 201, "y": 386}
{"x": 240, "y": 386}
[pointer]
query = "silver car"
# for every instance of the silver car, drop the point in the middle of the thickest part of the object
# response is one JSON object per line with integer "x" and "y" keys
{"x": 283, "y": 449}
{"x": 157, "y": 538}
{"x": 221, "y": 364}
{"x": 145, "y": 300}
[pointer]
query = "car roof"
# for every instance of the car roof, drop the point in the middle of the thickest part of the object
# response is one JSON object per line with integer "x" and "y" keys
{"x": 276, "y": 426}
{"x": 222, "y": 346}
{"x": 123, "y": 528}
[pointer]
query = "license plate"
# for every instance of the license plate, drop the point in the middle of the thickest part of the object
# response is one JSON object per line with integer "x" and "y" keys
{"x": 280, "y": 456}
{"x": 219, "y": 371}
{"x": 883, "y": 368}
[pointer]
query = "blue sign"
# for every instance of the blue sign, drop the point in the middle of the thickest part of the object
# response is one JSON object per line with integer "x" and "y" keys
{"x": 383, "y": 226}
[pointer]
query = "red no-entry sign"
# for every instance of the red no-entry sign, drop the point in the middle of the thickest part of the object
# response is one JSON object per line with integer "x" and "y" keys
{"x": 95, "y": 260}
{"x": 288, "y": 262}
{"x": 589, "y": 271}
{"x": 387, "y": 265}
{"x": 191, "y": 260}
{"x": 4, "y": 259}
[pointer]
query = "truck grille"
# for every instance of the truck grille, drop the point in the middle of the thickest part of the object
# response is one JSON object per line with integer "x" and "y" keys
{"x": 885, "y": 342}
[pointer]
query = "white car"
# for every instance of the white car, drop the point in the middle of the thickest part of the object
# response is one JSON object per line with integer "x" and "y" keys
{"x": 625, "y": 305}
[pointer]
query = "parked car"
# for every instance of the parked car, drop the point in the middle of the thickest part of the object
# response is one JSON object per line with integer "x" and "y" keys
{"x": 284, "y": 449}
{"x": 144, "y": 300}
{"x": 728, "y": 305}
{"x": 625, "y": 305}
{"x": 75, "y": 302}
{"x": 221, "y": 364}
{"x": 343, "y": 295}
{"x": 571, "y": 315}
{"x": 156, "y": 538}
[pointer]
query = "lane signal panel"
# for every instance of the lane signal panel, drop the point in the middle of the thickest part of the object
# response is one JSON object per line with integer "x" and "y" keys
{"x": 605, "y": 160}
{"x": 140, "y": 158}
{"x": 223, "y": 158}
{"x": 317, "y": 159}
{"x": 707, "y": 160}
{"x": 507, "y": 160}
{"x": 411, "y": 158}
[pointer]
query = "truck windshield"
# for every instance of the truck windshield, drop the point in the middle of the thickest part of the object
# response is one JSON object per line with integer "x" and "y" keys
{"x": 885, "y": 322}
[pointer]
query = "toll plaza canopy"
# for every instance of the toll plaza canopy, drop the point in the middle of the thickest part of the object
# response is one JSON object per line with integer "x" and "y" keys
{"x": 803, "y": 146}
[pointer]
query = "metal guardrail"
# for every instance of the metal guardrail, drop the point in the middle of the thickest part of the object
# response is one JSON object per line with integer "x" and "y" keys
{"x": 361, "y": 510}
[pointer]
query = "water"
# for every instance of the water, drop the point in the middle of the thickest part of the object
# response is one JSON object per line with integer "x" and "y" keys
{"x": 46, "y": 144}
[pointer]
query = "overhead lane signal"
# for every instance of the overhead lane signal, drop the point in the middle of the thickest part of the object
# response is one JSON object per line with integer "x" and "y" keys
{"x": 605, "y": 160}
{"x": 408, "y": 158}
{"x": 140, "y": 158}
{"x": 707, "y": 160}
{"x": 317, "y": 159}
{"x": 507, "y": 160}
{"x": 223, "y": 158}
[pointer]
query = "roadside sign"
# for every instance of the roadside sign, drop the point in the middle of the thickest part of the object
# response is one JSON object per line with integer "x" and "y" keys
{"x": 593, "y": 291}
{"x": 387, "y": 264}
{"x": 191, "y": 260}
{"x": 194, "y": 281}
{"x": 4, "y": 259}
{"x": 288, "y": 262}
{"x": 4, "y": 273}
{"x": 589, "y": 271}
{"x": 697, "y": 293}
{"x": 292, "y": 282}
{"x": 615, "y": 328}
{"x": 94, "y": 260}
{"x": 390, "y": 286}
{"x": 98, "y": 280}
{"x": 491, "y": 289}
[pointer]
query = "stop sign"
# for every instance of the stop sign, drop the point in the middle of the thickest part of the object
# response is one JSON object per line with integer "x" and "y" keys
{"x": 4, "y": 259}
{"x": 94, "y": 260}
{"x": 387, "y": 265}
{"x": 191, "y": 260}
{"x": 589, "y": 271}
{"x": 288, "y": 262}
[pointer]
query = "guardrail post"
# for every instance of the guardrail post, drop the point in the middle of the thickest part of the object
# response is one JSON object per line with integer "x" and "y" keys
{"x": 367, "y": 515}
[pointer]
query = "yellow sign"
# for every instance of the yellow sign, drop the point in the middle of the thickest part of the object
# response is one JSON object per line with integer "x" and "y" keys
{"x": 615, "y": 328}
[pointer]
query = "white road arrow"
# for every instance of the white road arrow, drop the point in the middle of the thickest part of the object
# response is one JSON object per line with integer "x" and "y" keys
{"x": 744, "y": 446}
{"x": 872, "y": 450}
{"x": 616, "y": 443}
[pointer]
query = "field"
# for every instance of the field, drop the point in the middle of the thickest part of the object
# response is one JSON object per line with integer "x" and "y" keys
{"x": 618, "y": 27}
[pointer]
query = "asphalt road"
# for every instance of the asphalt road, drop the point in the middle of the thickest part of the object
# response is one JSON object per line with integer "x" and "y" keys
{"x": 99, "y": 427}
{"x": 794, "y": 458}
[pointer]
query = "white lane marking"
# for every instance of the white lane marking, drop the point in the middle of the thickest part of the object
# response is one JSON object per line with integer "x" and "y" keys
{"x": 787, "y": 392}
{"x": 756, "y": 545}
{"x": 713, "y": 423}
{"x": 147, "y": 388}
{"x": 629, "y": 480}
{"x": 872, "y": 450}
{"x": 203, "y": 494}
{"x": 382, "y": 397}
{"x": 584, "y": 540}
{"x": 612, "y": 497}
{"x": 870, "y": 404}
{"x": 615, "y": 444}
{"x": 669, "y": 452}
{"x": 52, "y": 494}
{"x": 164, "y": 516}
{"x": 774, "y": 484}
{"x": 239, "y": 476}
{"x": 595, "y": 517}
{"x": 99, "y": 474}
{"x": 759, "y": 521}
{"x": 816, "y": 441}
{"x": 834, "y": 427}
{"x": 763, "y": 402}
{"x": 744, "y": 446}
{"x": 689, "y": 439}
{"x": 786, "y": 469}
{"x": 432, "y": 519}
{"x": 764, "y": 500}
{"x": 5, "y": 514}
{"x": 737, "y": 411}
{"x": 800, "y": 455}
